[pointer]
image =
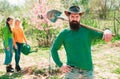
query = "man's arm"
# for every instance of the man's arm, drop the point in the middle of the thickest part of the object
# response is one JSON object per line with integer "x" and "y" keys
{"x": 95, "y": 34}
{"x": 54, "y": 51}
{"x": 55, "y": 47}
{"x": 105, "y": 35}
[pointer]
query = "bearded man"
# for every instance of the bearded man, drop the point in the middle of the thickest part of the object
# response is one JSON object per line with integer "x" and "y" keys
{"x": 77, "y": 43}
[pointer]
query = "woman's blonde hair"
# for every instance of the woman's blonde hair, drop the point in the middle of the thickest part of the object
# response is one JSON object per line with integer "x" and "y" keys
{"x": 18, "y": 19}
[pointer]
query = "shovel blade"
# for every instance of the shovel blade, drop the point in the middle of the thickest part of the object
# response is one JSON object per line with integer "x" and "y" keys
{"x": 53, "y": 15}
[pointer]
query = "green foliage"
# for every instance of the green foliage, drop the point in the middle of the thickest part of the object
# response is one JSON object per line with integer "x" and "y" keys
{"x": 40, "y": 71}
{"x": 6, "y": 9}
{"x": 98, "y": 41}
{"x": 84, "y": 2}
{"x": 117, "y": 70}
{"x": 1, "y": 50}
{"x": 55, "y": 77}
{"x": 1, "y": 33}
{"x": 46, "y": 37}
{"x": 25, "y": 23}
{"x": 115, "y": 38}
{"x": 90, "y": 22}
{"x": 10, "y": 76}
{"x": 68, "y": 3}
{"x": 2, "y": 24}
{"x": 43, "y": 37}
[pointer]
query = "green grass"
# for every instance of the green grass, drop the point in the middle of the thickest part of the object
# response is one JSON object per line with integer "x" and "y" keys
{"x": 117, "y": 70}
{"x": 1, "y": 50}
{"x": 55, "y": 77}
{"x": 10, "y": 75}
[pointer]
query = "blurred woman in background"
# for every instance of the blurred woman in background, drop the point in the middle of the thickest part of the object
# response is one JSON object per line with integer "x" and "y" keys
{"x": 8, "y": 44}
{"x": 19, "y": 39}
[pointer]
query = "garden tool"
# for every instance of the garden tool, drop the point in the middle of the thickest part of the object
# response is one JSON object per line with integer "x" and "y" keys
{"x": 26, "y": 50}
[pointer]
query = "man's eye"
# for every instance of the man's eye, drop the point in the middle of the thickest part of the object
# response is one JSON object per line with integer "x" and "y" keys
{"x": 76, "y": 16}
{"x": 72, "y": 16}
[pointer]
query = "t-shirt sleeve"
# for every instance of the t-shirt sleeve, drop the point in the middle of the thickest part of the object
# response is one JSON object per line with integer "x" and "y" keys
{"x": 56, "y": 46}
{"x": 95, "y": 34}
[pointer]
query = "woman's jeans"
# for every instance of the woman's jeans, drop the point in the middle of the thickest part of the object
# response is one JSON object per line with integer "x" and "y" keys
{"x": 8, "y": 52}
{"x": 18, "y": 52}
{"x": 79, "y": 74}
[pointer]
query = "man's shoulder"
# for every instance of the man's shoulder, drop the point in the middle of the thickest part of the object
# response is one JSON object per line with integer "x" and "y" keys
{"x": 85, "y": 28}
{"x": 66, "y": 30}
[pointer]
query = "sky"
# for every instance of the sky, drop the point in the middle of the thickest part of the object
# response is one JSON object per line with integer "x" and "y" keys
{"x": 16, "y": 2}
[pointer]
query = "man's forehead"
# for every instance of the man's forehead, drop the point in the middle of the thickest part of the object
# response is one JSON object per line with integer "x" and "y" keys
{"x": 74, "y": 14}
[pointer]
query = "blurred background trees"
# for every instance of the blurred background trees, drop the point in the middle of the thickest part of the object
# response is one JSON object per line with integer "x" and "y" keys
{"x": 98, "y": 13}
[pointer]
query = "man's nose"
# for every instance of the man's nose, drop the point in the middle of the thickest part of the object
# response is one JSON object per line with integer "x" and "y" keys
{"x": 74, "y": 19}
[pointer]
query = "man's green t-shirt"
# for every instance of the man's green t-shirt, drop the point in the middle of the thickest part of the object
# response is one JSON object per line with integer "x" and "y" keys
{"x": 77, "y": 45}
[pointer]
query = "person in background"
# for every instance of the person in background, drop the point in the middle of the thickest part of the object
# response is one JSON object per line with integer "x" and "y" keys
{"x": 8, "y": 44}
{"x": 77, "y": 43}
{"x": 19, "y": 39}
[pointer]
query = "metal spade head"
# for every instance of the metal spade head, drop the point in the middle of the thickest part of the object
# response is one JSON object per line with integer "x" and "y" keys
{"x": 53, "y": 15}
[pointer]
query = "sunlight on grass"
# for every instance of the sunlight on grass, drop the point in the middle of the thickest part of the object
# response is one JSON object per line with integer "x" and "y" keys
{"x": 117, "y": 70}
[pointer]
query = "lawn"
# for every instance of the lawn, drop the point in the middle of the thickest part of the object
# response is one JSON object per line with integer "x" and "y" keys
{"x": 38, "y": 66}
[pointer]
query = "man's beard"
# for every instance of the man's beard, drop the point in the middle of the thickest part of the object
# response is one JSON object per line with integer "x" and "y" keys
{"x": 74, "y": 25}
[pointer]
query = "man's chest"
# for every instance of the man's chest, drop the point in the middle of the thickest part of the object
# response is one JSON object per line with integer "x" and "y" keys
{"x": 77, "y": 38}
